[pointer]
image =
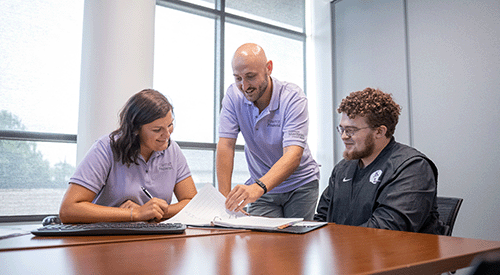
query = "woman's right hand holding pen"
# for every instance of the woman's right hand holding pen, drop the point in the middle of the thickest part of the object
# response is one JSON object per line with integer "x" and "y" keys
{"x": 155, "y": 209}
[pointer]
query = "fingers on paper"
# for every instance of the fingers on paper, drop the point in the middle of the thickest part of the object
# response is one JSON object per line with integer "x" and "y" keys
{"x": 237, "y": 198}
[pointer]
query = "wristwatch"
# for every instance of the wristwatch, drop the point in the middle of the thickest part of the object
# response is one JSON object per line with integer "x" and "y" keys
{"x": 259, "y": 183}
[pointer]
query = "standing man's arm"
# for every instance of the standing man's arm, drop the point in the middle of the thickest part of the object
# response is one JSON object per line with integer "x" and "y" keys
{"x": 242, "y": 195}
{"x": 284, "y": 167}
{"x": 224, "y": 163}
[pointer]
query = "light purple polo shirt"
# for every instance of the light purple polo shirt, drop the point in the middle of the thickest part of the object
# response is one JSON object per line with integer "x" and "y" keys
{"x": 283, "y": 123}
{"x": 114, "y": 182}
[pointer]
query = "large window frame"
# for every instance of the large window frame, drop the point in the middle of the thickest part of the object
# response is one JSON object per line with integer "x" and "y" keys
{"x": 220, "y": 16}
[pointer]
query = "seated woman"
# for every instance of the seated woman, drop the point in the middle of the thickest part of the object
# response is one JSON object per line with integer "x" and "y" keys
{"x": 107, "y": 185}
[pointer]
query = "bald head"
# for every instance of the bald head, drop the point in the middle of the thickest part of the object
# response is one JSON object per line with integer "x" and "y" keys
{"x": 250, "y": 53}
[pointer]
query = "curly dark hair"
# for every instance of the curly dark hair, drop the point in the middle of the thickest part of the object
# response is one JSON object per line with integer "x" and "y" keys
{"x": 142, "y": 108}
{"x": 378, "y": 107}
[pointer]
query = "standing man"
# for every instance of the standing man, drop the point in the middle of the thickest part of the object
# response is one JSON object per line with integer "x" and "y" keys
{"x": 380, "y": 183}
{"x": 273, "y": 118}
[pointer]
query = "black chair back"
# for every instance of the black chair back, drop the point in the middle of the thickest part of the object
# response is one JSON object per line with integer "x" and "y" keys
{"x": 448, "y": 211}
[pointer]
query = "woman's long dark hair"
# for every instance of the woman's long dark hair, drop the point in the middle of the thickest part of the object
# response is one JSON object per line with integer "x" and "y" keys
{"x": 142, "y": 108}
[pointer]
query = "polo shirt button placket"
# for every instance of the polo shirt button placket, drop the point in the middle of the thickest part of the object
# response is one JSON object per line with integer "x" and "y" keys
{"x": 147, "y": 179}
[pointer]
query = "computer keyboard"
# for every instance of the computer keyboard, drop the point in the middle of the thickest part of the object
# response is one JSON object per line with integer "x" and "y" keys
{"x": 109, "y": 228}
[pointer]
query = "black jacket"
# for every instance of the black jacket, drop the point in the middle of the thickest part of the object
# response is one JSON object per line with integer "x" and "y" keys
{"x": 396, "y": 191}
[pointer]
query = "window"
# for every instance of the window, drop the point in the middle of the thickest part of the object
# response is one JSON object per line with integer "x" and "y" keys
{"x": 194, "y": 44}
{"x": 184, "y": 71}
{"x": 39, "y": 63}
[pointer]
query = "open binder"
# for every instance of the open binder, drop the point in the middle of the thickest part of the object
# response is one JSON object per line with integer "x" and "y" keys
{"x": 207, "y": 208}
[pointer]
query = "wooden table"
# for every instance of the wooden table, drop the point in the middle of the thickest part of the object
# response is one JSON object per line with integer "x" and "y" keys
{"x": 333, "y": 249}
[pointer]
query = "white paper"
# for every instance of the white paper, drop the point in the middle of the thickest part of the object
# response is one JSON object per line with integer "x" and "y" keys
{"x": 203, "y": 208}
{"x": 12, "y": 232}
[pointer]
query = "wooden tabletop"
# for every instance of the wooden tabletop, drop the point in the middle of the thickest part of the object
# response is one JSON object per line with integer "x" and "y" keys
{"x": 333, "y": 249}
{"x": 29, "y": 241}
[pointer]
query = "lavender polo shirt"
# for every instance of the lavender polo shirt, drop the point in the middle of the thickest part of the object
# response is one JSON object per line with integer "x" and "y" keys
{"x": 283, "y": 123}
{"x": 114, "y": 182}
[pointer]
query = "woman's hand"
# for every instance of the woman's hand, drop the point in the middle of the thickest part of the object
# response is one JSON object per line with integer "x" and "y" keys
{"x": 154, "y": 209}
{"x": 129, "y": 205}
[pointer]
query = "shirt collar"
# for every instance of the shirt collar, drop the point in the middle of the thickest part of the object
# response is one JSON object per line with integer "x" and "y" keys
{"x": 274, "y": 104}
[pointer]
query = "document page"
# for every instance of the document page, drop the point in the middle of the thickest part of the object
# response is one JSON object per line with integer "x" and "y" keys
{"x": 207, "y": 205}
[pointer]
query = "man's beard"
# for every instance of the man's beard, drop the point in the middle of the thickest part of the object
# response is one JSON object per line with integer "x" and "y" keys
{"x": 262, "y": 87}
{"x": 366, "y": 152}
{"x": 259, "y": 90}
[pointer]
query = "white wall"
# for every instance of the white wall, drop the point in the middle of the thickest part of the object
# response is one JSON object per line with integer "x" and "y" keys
{"x": 319, "y": 86}
{"x": 446, "y": 76}
{"x": 117, "y": 62}
{"x": 455, "y": 68}
{"x": 369, "y": 50}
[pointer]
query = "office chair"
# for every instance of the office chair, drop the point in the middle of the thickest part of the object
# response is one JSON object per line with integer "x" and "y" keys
{"x": 448, "y": 211}
{"x": 488, "y": 264}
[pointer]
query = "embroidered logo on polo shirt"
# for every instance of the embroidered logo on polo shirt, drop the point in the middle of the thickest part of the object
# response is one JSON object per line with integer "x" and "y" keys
{"x": 295, "y": 134}
{"x": 374, "y": 177}
{"x": 166, "y": 166}
{"x": 273, "y": 123}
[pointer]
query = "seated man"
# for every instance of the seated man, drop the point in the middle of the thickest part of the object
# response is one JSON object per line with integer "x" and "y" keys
{"x": 380, "y": 183}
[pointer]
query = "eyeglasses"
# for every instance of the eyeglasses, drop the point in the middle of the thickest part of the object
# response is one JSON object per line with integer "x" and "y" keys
{"x": 349, "y": 131}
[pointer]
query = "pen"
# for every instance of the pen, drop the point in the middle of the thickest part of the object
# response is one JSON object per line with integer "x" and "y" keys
{"x": 146, "y": 192}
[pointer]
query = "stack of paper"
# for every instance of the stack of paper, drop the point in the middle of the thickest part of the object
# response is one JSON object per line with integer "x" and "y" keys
{"x": 256, "y": 222}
